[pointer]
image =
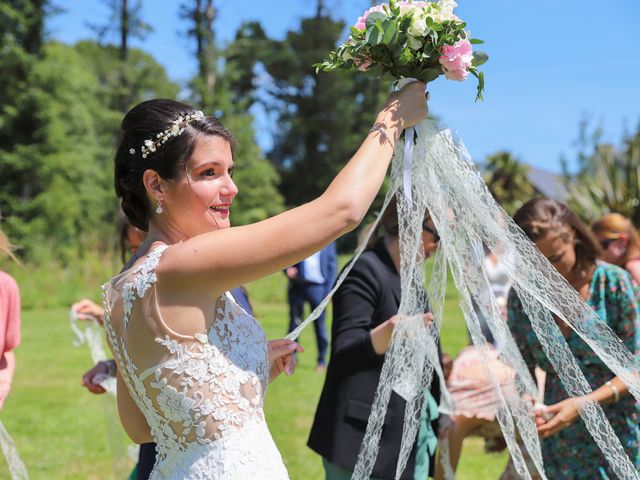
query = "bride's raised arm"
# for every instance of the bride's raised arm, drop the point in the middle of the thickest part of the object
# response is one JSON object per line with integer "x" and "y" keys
{"x": 222, "y": 258}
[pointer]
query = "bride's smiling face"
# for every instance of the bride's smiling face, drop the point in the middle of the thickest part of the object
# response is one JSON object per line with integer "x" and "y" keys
{"x": 199, "y": 201}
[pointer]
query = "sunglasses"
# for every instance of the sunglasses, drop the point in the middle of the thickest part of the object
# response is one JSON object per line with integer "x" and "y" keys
{"x": 609, "y": 241}
{"x": 432, "y": 231}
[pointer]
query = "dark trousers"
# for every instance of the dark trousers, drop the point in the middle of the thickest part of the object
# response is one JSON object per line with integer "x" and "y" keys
{"x": 312, "y": 293}
{"x": 146, "y": 460}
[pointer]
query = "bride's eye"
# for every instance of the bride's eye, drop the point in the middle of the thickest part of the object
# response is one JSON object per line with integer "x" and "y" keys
{"x": 231, "y": 170}
{"x": 209, "y": 172}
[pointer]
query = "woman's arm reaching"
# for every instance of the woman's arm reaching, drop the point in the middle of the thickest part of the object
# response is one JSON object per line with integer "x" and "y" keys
{"x": 219, "y": 260}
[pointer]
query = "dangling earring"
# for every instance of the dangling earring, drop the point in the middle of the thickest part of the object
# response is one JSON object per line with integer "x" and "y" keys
{"x": 159, "y": 208}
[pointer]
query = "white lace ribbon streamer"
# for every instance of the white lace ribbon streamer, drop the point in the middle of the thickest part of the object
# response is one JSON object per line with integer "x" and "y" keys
{"x": 409, "y": 134}
{"x": 16, "y": 466}
{"x": 294, "y": 334}
{"x": 446, "y": 182}
{"x": 88, "y": 331}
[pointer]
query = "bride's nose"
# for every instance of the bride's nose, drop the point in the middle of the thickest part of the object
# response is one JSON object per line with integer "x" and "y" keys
{"x": 229, "y": 187}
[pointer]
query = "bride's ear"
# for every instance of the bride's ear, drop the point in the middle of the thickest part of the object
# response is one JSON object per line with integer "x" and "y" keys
{"x": 154, "y": 184}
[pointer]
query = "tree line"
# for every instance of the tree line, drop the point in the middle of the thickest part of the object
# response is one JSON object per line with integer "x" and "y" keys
{"x": 61, "y": 106}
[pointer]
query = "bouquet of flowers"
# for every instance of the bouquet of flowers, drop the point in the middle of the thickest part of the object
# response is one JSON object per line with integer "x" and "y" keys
{"x": 407, "y": 39}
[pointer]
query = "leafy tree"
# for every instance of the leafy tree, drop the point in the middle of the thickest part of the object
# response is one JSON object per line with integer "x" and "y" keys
{"x": 126, "y": 22}
{"x": 53, "y": 178}
{"x": 22, "y": 36}
{"x": 21, "y": 39}
{"x": 607, "y": 178}
{"x": 320, "y": 119}
{"x": 22, "y": 23}
{"x": 58, "y": 127}
{"x": 507, "y": 180}
{"x": 146, "y": 79}
{"x": 201, "y": 14}
{"x": 242, "y": 56}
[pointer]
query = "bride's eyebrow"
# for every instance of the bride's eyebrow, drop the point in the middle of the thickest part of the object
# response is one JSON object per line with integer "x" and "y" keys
{"x": 212, "y": 163}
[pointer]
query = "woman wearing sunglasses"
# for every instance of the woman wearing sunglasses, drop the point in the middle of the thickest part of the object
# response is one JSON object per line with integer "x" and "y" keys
{"x": 620, "y": 243}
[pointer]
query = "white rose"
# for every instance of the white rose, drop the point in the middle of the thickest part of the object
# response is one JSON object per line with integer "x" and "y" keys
{"x": 418, "y": 26}
{"x": 446, "y": 10}
{"x": 406, "y": 8}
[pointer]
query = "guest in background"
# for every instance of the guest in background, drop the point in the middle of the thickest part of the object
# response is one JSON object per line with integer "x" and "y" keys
{"x": 620, "y": 242}
{"x": 500, "y": 284}
{"x": 475, "y": 399}
{"x": 130, "y": 238}
{"x": 309, "y": 282}
{"x": 9, "y": 321}
{"x": 568, "y": 451}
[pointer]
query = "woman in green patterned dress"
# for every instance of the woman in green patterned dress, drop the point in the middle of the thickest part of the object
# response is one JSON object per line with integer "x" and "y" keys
{"x": 568, "y": 450}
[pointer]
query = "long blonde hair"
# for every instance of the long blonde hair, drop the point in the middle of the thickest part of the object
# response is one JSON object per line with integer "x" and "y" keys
{"x": 613, "y": 226}
{"x": 6, "y": 248}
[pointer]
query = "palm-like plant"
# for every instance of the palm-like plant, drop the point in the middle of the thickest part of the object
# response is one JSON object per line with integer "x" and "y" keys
{"x": 507, "y": 180}
{"x": 608, "y": 181}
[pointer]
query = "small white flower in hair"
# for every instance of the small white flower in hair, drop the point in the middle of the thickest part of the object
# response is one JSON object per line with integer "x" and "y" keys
{"x": 177, "y": 127}
{"x": 132, "y": 151}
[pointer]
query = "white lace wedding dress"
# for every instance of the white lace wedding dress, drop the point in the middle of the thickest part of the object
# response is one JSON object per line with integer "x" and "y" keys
{"x": 202, "y": 394}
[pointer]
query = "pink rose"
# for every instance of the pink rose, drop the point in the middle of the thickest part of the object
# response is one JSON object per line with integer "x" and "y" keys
{"x": 459, "y": 75}
{"x": 361, "y": 23}
{"x": 456, "y": 59}
{"x": 364, "y": 65}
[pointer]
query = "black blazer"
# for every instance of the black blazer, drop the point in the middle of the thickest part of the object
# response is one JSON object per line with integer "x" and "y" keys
{"x": 369, "y": 296}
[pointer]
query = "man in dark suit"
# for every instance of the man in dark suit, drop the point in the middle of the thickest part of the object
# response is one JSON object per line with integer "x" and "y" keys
{"x": 310, "y": 281}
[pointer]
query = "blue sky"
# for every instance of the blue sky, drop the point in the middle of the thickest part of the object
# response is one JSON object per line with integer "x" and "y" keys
{"x": 552, "y": 63}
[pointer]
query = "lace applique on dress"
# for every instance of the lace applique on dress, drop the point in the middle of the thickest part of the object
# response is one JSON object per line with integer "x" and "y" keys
{"x": 204, "y": 402}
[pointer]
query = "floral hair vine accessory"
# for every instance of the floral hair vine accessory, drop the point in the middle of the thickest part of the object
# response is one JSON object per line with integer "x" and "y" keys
{"x": 176, "y": 128}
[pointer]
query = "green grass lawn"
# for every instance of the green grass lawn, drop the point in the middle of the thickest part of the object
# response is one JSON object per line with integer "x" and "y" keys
{"x": 62, "y": 431}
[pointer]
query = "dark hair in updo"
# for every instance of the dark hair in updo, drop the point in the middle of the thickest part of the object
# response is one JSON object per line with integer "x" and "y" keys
{"x": 144, "y": 122}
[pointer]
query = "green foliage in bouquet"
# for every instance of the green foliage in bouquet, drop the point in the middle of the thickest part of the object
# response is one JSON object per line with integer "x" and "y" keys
{"x": 420, "y": 40}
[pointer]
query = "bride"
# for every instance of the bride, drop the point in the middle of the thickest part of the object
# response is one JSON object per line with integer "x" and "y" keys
{"x": 193, "y": 366}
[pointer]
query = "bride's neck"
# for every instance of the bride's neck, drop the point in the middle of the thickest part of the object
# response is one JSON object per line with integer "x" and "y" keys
{"x": 165, "y": 234}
